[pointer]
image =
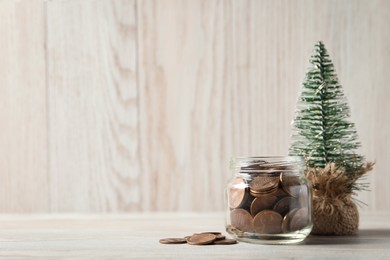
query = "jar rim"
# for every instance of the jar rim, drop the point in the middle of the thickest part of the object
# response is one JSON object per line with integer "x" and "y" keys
{"x": 292, "y": 162}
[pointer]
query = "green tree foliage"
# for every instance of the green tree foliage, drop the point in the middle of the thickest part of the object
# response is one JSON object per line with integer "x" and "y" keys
{"x": 322, "y": 132}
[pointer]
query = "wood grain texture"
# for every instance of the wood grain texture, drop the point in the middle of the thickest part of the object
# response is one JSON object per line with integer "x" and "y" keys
{"x": 138, "y": 105}
{"x": 23, "y": 132}
{"x": 136, "y": 236}
{"x": 186, "y": 103}
{"x": 221, "y": 79}
{"x": 93, "y": 106}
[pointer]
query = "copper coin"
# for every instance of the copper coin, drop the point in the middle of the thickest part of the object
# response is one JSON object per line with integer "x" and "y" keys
{"x": 287, "y": 220}
{"x": 237, "y": 192}
{"x": 220, "y": 237}
{"x": 280, "y": 193}
{"x": 300, "y": 219}
{"x": 262, "y": 202}
{"x": 254, "y": 165}
{"x": 261, "y": 184}
{"x": 263, "y": 192}
{"x": 241, "y": 220}
{"x": 201, "y": 239}
{"x": 211, "y": 232}
{"x": 285, "y": 205}
{"x": 291, "y": 184}
{"x": 173, "y": 240}
{"x": 268, "y": 222}
{"x": 279, "y": 168}
{"x": 217, "y": 234}
{"x": 226, "y": 241}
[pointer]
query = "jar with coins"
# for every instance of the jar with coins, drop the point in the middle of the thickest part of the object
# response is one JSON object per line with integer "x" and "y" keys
{"x": 268, "y": 200}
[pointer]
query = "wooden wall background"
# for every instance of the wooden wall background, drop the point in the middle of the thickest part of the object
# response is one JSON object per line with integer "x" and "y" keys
{"x": 137, "y": 105}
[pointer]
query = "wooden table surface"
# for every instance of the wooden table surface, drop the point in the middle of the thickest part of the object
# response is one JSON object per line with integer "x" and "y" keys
{"x": 137, "y": 235}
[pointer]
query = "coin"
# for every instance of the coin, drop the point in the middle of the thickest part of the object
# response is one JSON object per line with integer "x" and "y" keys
{"x": 285, "y": 205}
{"x": 254, "y": 165}
{"x": 264, "y": 184}
{"x": 218, "y": 235}
{"x": 226, "y": 241}
{"x": 211, "y": 232}
{"x": 241, "y": 220}
{"x": 201, "y": 239}
{"x": 237, "y": 193}
{"x": 300, "y": 219}
{"x": 267, "y": 222}
{"x": 287, "y": 220}
{"x": 262, "y": 202}
{"x": 264, "y": 192}
{"x": 173, "y": 240}
{"x": 280, "y": 193}
{"x": 290, "y": 183}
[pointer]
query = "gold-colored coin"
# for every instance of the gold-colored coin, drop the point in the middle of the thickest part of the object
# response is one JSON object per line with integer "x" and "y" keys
{"x": 241, "y": 220}
{"x": 267, "y": 222}
{"x": 201, "y": 239}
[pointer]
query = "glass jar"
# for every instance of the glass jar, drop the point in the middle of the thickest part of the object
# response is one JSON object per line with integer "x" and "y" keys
{"x": 268, "y": 200}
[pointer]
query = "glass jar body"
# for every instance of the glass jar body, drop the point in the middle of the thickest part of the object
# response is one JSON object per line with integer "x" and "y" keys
{"x": 268, "y": 200}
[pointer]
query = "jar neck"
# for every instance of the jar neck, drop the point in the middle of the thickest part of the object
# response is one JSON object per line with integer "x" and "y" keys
{"x": 267, "y": 165}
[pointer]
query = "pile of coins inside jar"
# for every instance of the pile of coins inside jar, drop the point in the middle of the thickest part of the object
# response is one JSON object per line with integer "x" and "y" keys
{"x": 267, "y": 200}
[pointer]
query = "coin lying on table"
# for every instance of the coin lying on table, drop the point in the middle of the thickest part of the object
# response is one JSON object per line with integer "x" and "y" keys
{"x": 217, "y": 234}
{"x": 226, "y": 241}
{"x": 201, "y": 239}
{"x": 204, "y": 238}
{"x": 173, "y": 240}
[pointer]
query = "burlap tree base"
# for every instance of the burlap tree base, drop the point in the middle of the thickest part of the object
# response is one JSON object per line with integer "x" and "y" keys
{"x": 342, "y": 219}
{"x": 334, "y": 212}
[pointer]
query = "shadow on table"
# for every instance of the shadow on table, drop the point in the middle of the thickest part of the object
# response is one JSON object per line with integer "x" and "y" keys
{"x": 368, "y": 236}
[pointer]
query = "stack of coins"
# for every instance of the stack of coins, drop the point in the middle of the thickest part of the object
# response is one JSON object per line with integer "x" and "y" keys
{"x": 198, "y": 239}
{"x": 268, "y": 201}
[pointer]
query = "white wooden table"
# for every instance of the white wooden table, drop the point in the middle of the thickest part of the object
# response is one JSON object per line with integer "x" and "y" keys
{"x": 136, "y": 236}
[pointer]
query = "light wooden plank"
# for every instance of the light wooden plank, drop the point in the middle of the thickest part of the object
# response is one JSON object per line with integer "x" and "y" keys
{"x": 365, "y": 59}
{"x": 23, "y": 115}
{"x": 186, "y": 105}
{"x": 136, "y": 236}
{"x": 219, "y": 79}
{"x": 93, "y": 106}
{"x": 273, "y": 44}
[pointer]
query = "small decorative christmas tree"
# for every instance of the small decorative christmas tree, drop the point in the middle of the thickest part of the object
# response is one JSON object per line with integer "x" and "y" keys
{"x": 328, "y": 141}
